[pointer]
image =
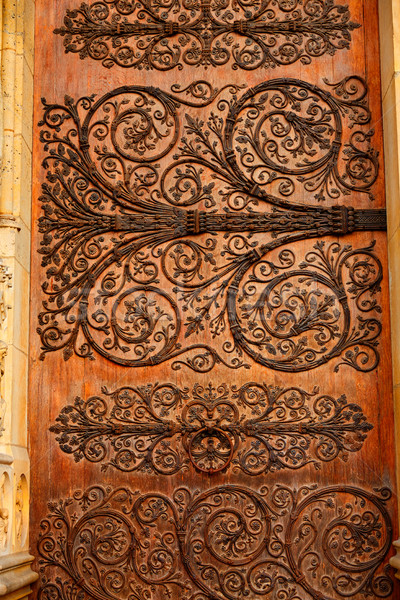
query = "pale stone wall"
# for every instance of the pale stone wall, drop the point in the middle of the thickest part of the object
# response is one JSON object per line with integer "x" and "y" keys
{"x": 16, "y": 103}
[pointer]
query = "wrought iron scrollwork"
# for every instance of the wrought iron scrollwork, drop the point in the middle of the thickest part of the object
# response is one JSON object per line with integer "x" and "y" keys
{"x": 228, "y": 542}
{"x": 140, "y": 262}
{"x": 256, "y": 428}
{"x": 163, "y": 35}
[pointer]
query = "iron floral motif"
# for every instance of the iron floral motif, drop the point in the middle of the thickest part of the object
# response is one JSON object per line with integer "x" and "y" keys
{"x": 162, "y": 35}
{"x": 228, "y": 542}
{"x": 139, "y": 262}
{"x": 257, "y": 428}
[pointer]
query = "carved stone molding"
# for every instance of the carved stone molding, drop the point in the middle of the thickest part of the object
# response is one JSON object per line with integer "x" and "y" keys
{"x": 120, "y": 230}
{"x": 5, "y": 283}
{"x": 15, "y": 562}
{"x": 256, "y": 429}
{"x": 21, "y": 508}
{"x": 227, "y": 542}
{"x": 162, "y": 35}
{"x": 9, "y": 221}
{"x": 395, "y": 560}
{"x": 16, "y": 57}
{"x": 5, "y": 512}
{"x": 16, "y": 575}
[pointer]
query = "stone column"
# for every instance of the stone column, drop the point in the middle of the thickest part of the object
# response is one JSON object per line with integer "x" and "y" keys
{"x": 16, "y": 100}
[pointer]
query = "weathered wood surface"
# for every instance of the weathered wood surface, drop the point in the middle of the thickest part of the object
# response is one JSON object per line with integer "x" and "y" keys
{"x": 211, "y": 380}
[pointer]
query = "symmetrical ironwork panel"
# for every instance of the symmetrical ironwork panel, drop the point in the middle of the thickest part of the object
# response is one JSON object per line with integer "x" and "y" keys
{"x": 140, "y": 262}
{"x": 149, "y": 34}
{"x": 255, "y": 428}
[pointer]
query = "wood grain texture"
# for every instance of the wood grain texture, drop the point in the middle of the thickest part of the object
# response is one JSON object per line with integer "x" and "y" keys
{"x": 210, "y": 383}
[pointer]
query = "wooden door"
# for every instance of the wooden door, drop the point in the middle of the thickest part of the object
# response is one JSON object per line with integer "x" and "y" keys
{"x": 211, "y": 413}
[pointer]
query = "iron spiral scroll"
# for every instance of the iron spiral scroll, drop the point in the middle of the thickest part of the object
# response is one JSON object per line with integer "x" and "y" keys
{"x": 255, "y": 429}
{"x": 149, "y": 34}
{"x": 228, "y": 542}
{"x": 204, "y": 226}
{"x": 127, "y": 217}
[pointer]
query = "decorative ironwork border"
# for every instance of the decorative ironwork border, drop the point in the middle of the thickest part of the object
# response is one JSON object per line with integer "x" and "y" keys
{"x": 256, "y": 428}
{"x": 148, "y": 34}
{"x": 227, "y": 542}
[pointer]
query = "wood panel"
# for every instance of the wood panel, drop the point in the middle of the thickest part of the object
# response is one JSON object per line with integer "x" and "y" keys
{"x": 210, "y": 386}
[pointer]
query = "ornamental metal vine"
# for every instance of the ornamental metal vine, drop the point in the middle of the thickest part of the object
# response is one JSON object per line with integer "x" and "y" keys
{"x": 162, "y": 35}
{"x": 256, "y": 428}
{"x": 226, "y": 543}
{"x": 158, "y": 226}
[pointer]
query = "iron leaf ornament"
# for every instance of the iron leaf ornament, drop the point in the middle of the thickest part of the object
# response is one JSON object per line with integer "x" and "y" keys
{"x": 149, "y": 34}
{"x": 226, "y": 542}
{"x": 168, "y": 214}
{"x": 255, "y": 429}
